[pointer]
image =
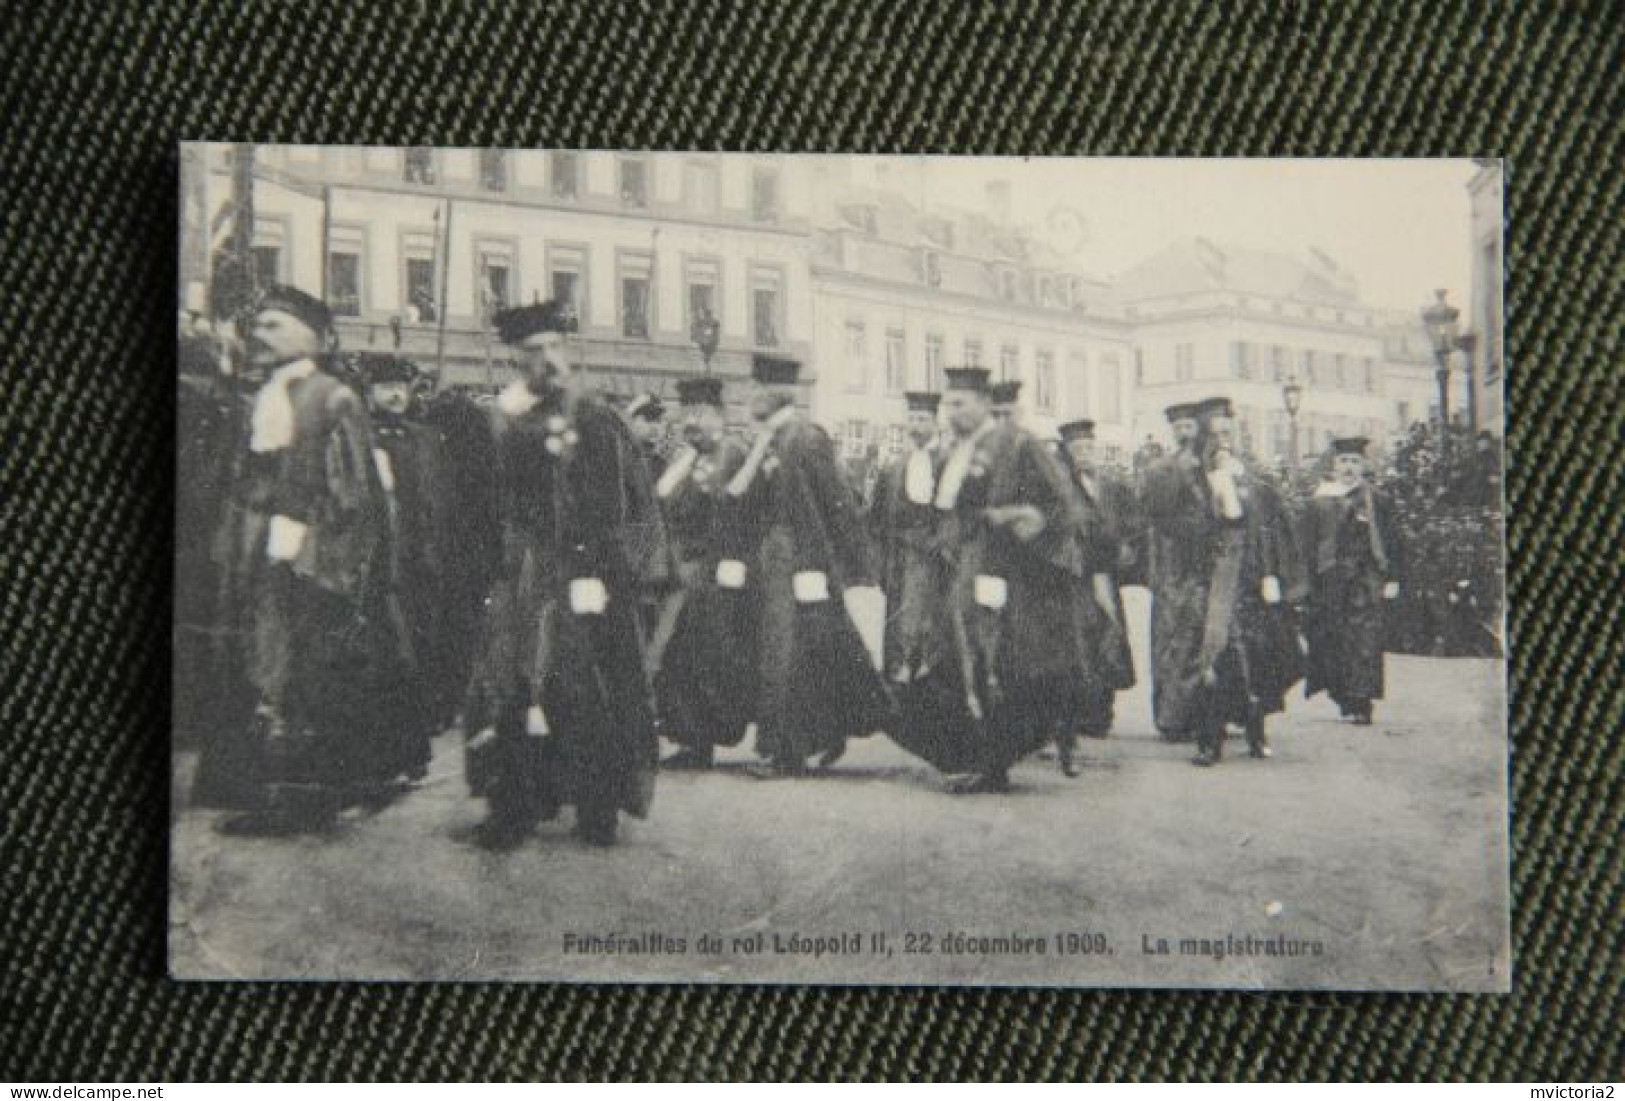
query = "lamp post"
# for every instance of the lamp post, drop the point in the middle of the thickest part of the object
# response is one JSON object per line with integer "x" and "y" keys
{"x": 1468, "y": 343}
{"x": 704, "y": 331}
{"x": 1440, "y": 319}
{"x": 1292, "y": 398}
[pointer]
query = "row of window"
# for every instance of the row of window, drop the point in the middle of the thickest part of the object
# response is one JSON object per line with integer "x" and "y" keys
{"x": 856, "y": 438}
{"x": 897, "y": 375}
{"x": 634, "y": 174}
{"x": 1251, "y": 362}
{"x": 495, "y": 282}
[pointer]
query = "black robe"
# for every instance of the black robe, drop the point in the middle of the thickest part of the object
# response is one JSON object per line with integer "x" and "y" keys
{"x": 911, "y": 572}
{"x": 1351, "y": 547}
{"x": 1212, "y": 612}
{"x": 575, "y": 505}
{"x": 705, "y": 651}
{"x": 1102, "y": 514}
{"x": 1017, "y": 670}
{"x": 816, "y": 685}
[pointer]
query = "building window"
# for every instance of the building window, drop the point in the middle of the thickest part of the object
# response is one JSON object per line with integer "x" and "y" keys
{"x": 766, "y": 306}
{"x": 896, "y": 362}
{"x": 1009, "y": 362}
{"x": 418, "y": 256}
{"x": 1308, "y": 367}
{"x": 854, "y": 439}
{"x": 1184, "y": 362}
{"x": 564, "y": 171}
{"x": 702, "y": 278}
{"x": 493, "y": 276}
{"x": 1241, "y": 360}
{"x": 494, "y": 169}
{"x": 973, "y": 352}
{"x": 1368, "y": 371}
{"x": 1280, "y": 362}
{"x": 418, "y": 165}
{"x": 1077, "y": 365}
{"x": 930, "y": 267}
{"x": 1340, "y": 371}
{"x": 1044, "y": 381}
{"x": 1007, "y": 284}
{"x": 933, "y": 362}
{"x": 764, "y": 194}
{"x": 636, "y": 282}
{"x": 634, "y": 172}
{"x": 567, "y": 277}
{"x": 857, "y": 358}
{"x": 895, "y": 440}
{"x": 700, "y": 186}
{"x": 1111, "y": 389}
{"x": 344, "y": 282}
{"x": 1402, "y": 413}
{"x": 344, "y": 251}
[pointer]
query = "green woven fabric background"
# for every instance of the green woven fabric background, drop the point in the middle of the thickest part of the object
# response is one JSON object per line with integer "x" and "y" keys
{"x": 97, "y": 95}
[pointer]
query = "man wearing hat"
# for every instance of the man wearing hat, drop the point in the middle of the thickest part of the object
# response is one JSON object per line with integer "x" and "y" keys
{"x": 902, "y": 521}
{"x": 1354, "y": 563}
{"x": 561, "y": 712}
{"x": 704, "y": 654}
{"x": 1234, "y": 631}
{"x": 425, "y": 521}
{"x": 1006, "y": 398}
{"x": 306, "y": 564}
{"x": 817, "y": 686}
{"x": 1101, "y": 506}
{"x": 1018, "y": 663}
{"x": 1170, "y": 491}
{"x": 646, "y": 415}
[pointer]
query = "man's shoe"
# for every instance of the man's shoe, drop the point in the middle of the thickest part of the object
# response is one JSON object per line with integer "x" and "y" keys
{"x": 1205, "y": 758}
{"x": 690, "y": 760}
{"x": 597, "y": 826}
{"x": 500, "y": 835}
{"x": 992, "y": 783}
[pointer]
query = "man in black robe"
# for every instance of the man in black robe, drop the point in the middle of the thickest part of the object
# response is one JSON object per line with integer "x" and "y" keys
{"x": 1102, "y": 507}
{"x": 308, "y": 587}
{"x": 1020, "y": 663}
{"x": 903, "y": 522}
{"x": 1354, "y": 563}
{"x": 1171, "y": 492}
{"x": 705, "y": 650}
{"x": 1238, "y": 632}
{"x": 817, "y": 686}
{"x": 1005, "y": 396}
{"x": 561, "y": 711}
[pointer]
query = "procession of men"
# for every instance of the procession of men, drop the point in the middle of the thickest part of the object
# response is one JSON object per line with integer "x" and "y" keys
{"x": 569, "y": 581}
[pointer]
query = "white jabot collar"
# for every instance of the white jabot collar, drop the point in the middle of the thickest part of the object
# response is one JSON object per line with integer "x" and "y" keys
{"x": 272, "y": 421}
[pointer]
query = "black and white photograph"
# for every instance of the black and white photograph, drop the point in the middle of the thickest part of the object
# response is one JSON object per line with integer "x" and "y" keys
{"x": 657, "y": 566}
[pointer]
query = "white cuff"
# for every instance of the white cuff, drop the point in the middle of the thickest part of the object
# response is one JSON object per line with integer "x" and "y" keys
{"x": 1272, "y": 590}
{"x": 588, "y": 596}
{"x": 811, "y": 586}
{"x": 992, "y": 592}
{"x": 731, "y": 573}
{"x": 287, "y": 537}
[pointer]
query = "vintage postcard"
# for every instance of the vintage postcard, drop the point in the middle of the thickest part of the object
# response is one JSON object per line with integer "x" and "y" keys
{"x": 656, "y": 566}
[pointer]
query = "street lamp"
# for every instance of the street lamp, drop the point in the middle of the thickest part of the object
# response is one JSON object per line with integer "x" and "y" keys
{"x": 704, "y": 331}
{"x": 1292, "y": 398}
{"x": 1440, "y": 319}
{"x": 1468, "y": 343}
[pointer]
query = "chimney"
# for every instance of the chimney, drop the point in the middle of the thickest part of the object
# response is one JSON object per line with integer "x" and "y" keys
{"x": 998, "y": 201}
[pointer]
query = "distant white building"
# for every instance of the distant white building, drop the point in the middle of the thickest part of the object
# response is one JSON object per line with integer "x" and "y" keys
{"x": 1212, "y": 319}
{"x": 901, "y": 292}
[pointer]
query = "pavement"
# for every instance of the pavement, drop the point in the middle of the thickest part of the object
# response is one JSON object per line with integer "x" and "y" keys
{"x": 1357, "y": 858}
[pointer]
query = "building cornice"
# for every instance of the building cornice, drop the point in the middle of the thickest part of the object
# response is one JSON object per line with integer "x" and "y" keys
{"x": 954, "y": 300}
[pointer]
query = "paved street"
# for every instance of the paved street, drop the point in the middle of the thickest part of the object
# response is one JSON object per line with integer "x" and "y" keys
{"x": 1383, "y": 846}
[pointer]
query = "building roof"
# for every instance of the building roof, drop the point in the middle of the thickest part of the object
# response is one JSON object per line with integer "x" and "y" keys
{"x": 1199, "y": 265}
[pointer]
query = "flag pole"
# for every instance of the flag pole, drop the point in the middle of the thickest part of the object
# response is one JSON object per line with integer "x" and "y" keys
{"x": 445, "y": 299}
